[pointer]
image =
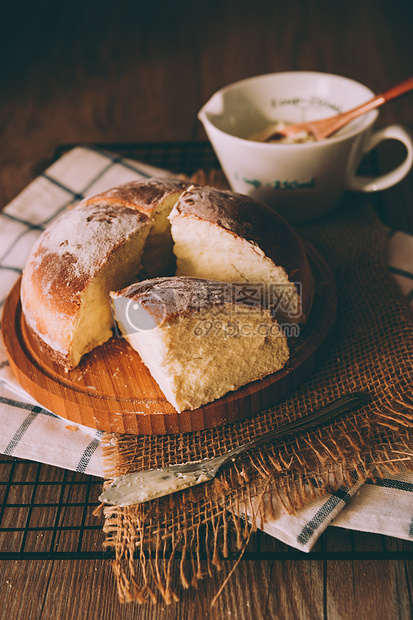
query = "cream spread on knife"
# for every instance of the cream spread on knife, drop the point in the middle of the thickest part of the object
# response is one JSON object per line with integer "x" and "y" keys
{"x": 144, "y": 486}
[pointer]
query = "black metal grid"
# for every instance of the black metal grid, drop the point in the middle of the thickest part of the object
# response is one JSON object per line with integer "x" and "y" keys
{"x": 47, "y": 512}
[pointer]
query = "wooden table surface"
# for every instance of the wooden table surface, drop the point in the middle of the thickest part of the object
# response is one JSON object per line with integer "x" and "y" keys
{"x": 119, "y": 71}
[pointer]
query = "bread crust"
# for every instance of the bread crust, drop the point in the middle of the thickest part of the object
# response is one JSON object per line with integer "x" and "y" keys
{"x": 47, "y": 351}
{"x": 64, "y": 260}
{"x": 256, "y": 223}
{"x": 143, "y": 196}
{"x": 174, "y": 297}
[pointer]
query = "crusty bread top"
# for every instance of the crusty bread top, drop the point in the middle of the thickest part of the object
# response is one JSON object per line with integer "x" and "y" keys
{"x": 172, "y": 297}
{"x": 144, "y": 195}
{"x": 258, "y": 224}
{"x": 66, "y": 257}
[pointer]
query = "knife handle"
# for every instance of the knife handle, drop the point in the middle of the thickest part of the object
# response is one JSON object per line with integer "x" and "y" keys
{"x": 333, "y": 410}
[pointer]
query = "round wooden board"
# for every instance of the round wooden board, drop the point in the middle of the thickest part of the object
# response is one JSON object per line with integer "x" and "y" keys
{"x": 112, "y": 389}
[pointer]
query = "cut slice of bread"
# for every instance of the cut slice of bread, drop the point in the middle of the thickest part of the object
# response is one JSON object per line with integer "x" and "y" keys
{"x": 199, "y": 339}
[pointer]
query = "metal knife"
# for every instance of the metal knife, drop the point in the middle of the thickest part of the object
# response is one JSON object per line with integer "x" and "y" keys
{"x": 143, "y": 486}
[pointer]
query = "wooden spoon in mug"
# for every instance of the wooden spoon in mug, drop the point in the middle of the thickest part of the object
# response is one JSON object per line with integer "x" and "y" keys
{"x": 318, "y": 130}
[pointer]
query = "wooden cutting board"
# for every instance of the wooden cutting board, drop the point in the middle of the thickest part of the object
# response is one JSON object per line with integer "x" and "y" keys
{"x": 112, "y": 389}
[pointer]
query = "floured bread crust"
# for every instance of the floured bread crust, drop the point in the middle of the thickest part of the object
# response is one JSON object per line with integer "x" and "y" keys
{"x": 72, "y": 267}
{"x": 200, "y": 339}
{"x": 231, "y": 237}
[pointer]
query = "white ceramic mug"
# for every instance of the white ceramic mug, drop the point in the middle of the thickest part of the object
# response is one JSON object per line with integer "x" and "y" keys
{"x": 301, "y": 181}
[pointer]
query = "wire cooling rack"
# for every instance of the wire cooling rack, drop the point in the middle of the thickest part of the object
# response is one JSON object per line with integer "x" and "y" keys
{"x": 47, "y": 512}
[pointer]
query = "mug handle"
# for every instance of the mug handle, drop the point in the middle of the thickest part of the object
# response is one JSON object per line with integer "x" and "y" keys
{"x": 372, "y": 184}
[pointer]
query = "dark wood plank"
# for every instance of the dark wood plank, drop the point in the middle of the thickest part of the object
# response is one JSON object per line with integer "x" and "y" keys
{"x": 23, "y": 587}
{"x": 258, "y": 591}
{"x": 368, "y": 589}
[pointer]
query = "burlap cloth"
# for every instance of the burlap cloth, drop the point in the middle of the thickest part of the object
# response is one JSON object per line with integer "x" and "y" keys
{"x": 372, "y": 349}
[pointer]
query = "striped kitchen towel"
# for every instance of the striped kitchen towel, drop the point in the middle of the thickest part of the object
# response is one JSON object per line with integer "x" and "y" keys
{"x": 29, "y": 431}
{"x": 381, "y": 507}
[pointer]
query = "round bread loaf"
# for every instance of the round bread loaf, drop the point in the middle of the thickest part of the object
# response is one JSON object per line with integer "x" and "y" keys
{"x": 113, "y": 239}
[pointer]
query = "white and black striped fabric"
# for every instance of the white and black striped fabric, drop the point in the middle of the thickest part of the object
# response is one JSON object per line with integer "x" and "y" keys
{"x": 29, "y": 431}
